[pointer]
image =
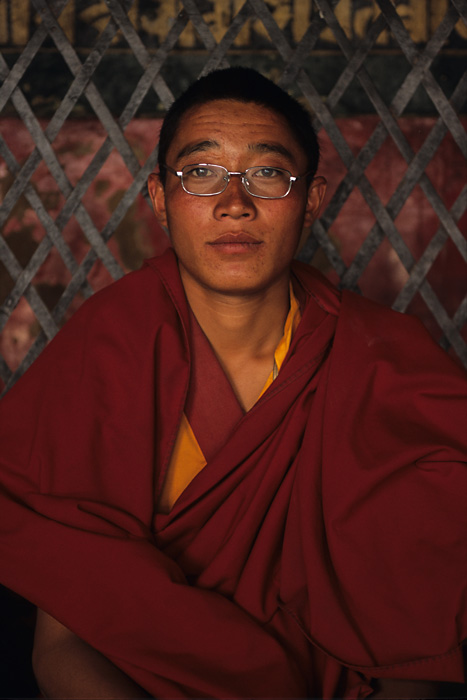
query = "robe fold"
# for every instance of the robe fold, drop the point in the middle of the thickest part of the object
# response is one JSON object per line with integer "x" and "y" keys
{"x": 323, "y": 544}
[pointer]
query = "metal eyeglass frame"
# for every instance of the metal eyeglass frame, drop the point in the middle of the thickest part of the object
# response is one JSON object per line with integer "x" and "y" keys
{"x": 229, "y": 173}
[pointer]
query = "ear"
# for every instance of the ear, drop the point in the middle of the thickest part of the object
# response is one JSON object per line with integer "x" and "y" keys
{"x": 157, "y": 194}
{"x": 315, "y": 197}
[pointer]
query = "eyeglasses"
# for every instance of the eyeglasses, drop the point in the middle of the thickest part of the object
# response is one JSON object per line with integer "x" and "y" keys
{"x": 206, "y": 180}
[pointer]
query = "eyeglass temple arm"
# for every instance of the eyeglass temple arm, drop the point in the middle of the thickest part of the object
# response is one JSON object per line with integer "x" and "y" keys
{"x": 179, "y": 173}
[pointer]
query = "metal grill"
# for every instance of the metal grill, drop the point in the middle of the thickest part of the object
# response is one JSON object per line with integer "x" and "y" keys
{"x": 190, "y": 22}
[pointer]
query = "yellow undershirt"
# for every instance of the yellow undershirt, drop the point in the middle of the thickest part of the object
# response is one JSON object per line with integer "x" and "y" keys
{"x": 187, "y": 458}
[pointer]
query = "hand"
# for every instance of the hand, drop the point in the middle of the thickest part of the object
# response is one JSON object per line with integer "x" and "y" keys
{"x": 66, "y": 667}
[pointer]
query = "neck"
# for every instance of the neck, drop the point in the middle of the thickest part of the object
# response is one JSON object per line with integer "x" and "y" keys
{"x": 241, "y": 322}
{"x": 244, "y": 331}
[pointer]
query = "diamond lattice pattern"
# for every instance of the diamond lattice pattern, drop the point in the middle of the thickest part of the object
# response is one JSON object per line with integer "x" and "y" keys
{"x": 74, "y": 246}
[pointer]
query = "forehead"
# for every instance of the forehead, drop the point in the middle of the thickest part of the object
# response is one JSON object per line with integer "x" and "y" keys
{"x": 234, "y": 126}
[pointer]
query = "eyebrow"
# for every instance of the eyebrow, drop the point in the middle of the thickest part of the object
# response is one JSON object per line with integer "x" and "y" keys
{"x": 261, "y": 147}
{"x": 197, "y": 147}
{"x": 273, "y": 147}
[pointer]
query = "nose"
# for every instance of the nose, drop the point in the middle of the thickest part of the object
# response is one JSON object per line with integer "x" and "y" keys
{"x": 235, "y": 201}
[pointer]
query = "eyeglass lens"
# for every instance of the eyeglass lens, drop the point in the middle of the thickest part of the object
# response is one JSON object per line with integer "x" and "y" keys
{"x": 213, "y": 179}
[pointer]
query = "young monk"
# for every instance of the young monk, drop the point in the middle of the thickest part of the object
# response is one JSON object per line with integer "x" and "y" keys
{"x": 227, "y": 478}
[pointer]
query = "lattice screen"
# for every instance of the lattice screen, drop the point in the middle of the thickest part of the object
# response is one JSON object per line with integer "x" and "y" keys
{"x": 191, "y": 38}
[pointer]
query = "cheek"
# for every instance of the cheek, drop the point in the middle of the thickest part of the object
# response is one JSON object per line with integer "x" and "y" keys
{"x": 186, "y": 211}
{"x": 286, "y": 227}
{"x": 183, "y": 222}
{"x": 286, "y": 212}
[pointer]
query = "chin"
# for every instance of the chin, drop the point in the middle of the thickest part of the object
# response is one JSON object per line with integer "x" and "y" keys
{"x": 240, "y": 287}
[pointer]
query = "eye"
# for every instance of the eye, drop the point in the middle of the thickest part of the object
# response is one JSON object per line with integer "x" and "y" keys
{"x": 197, "y": 171}
{"x": 268, "y": 173}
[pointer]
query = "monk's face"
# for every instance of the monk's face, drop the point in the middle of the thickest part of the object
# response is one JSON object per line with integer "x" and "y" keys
{"x": 234, "y": 243}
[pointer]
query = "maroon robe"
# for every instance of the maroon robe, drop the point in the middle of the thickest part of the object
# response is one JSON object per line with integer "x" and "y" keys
{"x": 323, "y": 543}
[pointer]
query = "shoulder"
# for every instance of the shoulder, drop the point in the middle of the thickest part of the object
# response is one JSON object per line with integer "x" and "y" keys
{"x": 119, "y": 322}
{"x": 391, "y": 383}
{"x": 370, "y": 332}
{"x": 365, "y": 316}
{"x": 137, "y": 297}
{"x": 137, "y": 286}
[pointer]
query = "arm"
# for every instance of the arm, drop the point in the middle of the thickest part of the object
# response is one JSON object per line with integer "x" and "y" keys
{"x": 67, "y": 667}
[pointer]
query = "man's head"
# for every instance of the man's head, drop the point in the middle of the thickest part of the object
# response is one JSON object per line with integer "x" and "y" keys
{"x": 234, "y": 190}
{"x": 242, "y": 85}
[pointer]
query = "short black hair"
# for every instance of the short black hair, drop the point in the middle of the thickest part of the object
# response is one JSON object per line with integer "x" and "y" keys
{"x": 244, "y": 85}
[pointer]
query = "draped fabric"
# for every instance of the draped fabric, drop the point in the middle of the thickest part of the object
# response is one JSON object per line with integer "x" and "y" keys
{"x": 322, "y": 544}
{"x": 212, "y": 409}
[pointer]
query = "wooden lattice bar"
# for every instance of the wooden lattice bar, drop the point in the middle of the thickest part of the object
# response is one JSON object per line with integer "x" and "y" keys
{"x": 158, "y": 81}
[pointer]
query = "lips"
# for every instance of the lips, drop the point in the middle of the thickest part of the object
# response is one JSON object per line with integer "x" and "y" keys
{"x": 240, "y": 238}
